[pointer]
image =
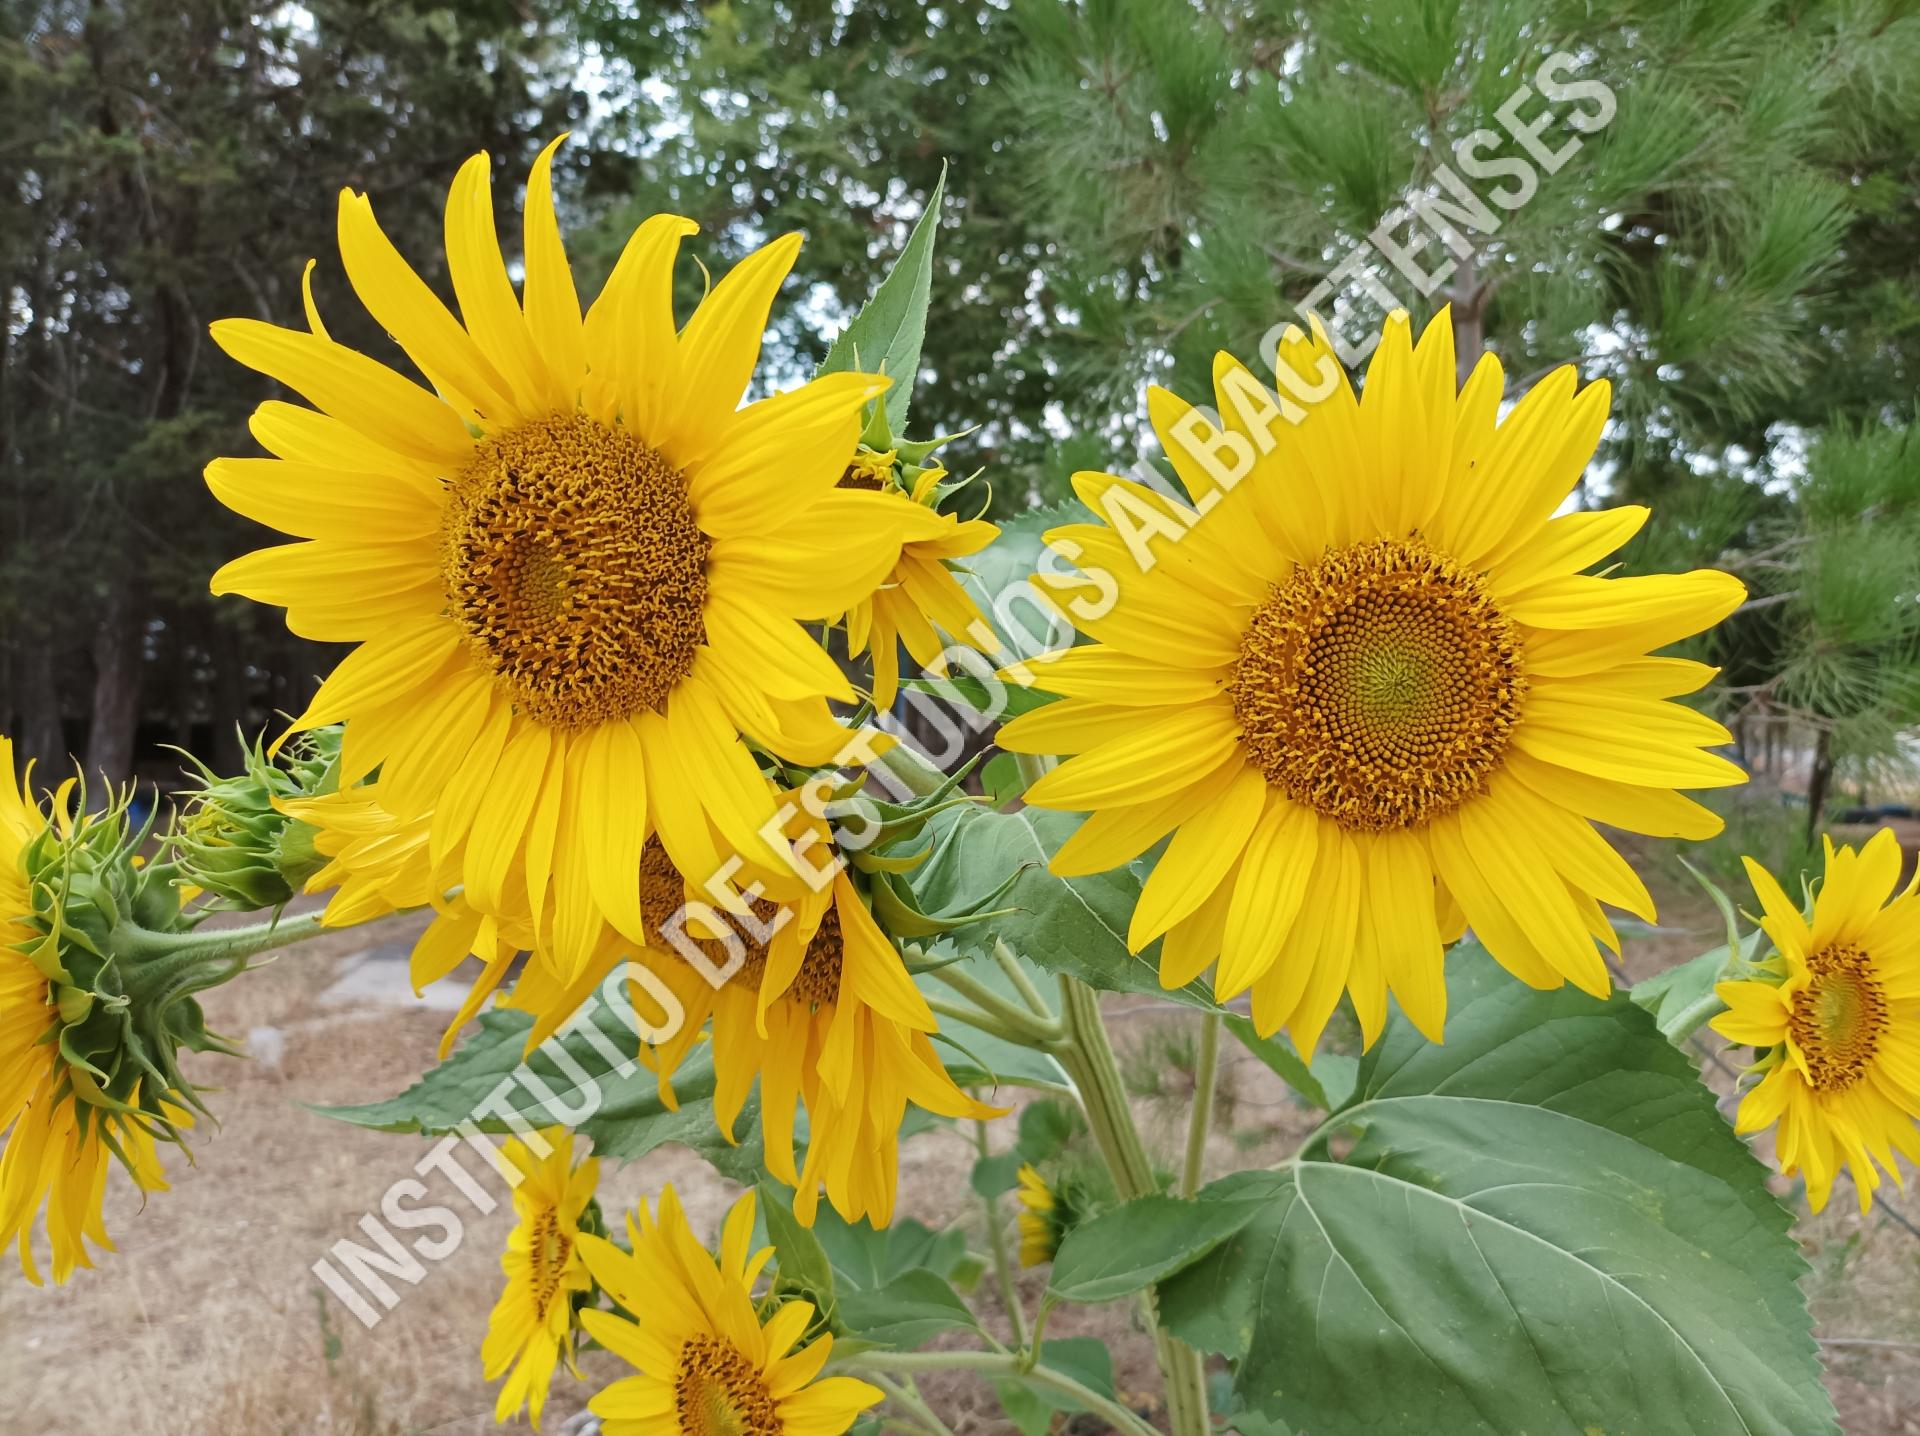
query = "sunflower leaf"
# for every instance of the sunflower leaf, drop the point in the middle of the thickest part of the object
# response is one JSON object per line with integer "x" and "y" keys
{"x": 569, "y": 1082}
{"x": 1131, "y": 1246}
{"x": 1076, "y": 926}
{"x": 886, "y": 335}
{"x": 908, "y": 1311}
{"x": 797, "y": 1253}
{"x": 1542, "y": 1225}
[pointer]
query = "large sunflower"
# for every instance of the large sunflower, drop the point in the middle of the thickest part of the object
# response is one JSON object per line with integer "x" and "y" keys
{"x": 1839, "y": 1021}
{"x": 1370, "y": 691}
{"x": 575, "y": 568}
{"x": 824, "y": 1015}
{"x": 531, "y": 1327}
{"x": 57, "y": 1145}
{"x": 706, "y": 1364}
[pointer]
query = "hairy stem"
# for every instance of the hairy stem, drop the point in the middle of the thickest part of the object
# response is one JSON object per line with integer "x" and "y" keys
{"x": 1003, "y": 1363}
{"x": 908, "y": 1396}
{"x": 1200, "y": 1119}
{"x": 1088, "y": 1057}
{"x": 158, "y": 958}
{"x": 997, "y": 1244}
{"x": 1015, "y": 1022}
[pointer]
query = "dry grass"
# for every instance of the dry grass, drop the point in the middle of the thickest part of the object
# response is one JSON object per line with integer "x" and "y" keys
{"x": 210, "y": 1321}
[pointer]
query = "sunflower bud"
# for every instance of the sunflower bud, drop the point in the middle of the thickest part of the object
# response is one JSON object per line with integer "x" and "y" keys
{"x": 237, "y": 841}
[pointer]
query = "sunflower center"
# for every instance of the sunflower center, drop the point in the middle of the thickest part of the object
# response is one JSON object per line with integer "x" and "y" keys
{"x": 1378, "y": 686}
{"x": 573, "y": 562}
{"x": 1838, "y": 1018}
{"x": 817, "y": 984}
{"x": 718, "y": 1392}
{"x": 548, "y": 1249}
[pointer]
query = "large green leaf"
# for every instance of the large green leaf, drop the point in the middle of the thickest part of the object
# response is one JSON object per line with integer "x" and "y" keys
{"x": 627, "y": 1117}
{"x": 866, "y": 1259}
{"x": 907, "y": 1312}
{"x": 1133, "y": 1245}
{"x": 1073, "y": 925}
{"x": 1542, "y": 1226}
{"x": 886, "y": 335}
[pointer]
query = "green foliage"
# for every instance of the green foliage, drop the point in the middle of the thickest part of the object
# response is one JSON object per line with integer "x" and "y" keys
{"x": 1075, "y": 926}
{"x": 1444, "y": 1250}
{"x": 628, "y": 1118}
{"x": 1133, "y": 1245}
{"x": 886, "y": 335}
{"x": 1325, "y": 1083}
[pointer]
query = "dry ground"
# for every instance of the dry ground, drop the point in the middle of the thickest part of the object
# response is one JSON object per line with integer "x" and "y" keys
{"x": 209, "y": 1320}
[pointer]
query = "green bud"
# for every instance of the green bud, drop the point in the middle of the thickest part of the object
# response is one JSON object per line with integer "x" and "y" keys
{"x": 236, "y": 840}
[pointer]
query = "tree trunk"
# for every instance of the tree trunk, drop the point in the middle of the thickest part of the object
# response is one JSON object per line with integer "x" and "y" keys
{"x": 116, "y": 688}
{"x": 1818, "y": 781}
{"x": 38, "y": 702}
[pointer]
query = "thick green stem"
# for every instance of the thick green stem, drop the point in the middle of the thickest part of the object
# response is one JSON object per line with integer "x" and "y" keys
{"x": 1200, "y": 1119}
{"x": 997, "y": 1244}
{"x": 1019, "y": 1023}
{"x": 1088, "y": 1057}
{"x": 1003, "y": 1363}
{"x": 908, "y": 1396}
{"x": 156, "y": 959}
{"x": 1016, "y": 972}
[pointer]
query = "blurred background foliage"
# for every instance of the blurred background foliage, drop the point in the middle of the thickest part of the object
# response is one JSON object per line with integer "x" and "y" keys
{"x": 1133, "y": 185}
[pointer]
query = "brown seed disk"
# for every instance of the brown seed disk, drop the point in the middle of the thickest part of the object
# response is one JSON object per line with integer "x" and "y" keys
{"x": 1379, "y": 686}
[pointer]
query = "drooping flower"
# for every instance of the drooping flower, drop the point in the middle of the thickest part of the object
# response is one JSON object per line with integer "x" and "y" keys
{"x": 61, "y": 1124}
{"x": 1368, "y": 687}
{"x": 1837, "y": 1017}
{"x": 921, "y": 603}
{"x": 575, "y": 568}
{"x": 821, "y": 1011}
{"x": 532, "y": 1325}
{"x": 705, "y": 1363}
{"x": 1040, "y": 1226}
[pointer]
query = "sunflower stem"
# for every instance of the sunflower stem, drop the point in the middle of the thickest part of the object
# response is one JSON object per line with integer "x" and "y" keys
{"x": 1088, "y": 1057}
{"x": 906, "y": 1394}
{"x": 1002, "y": 1363}
{"x": 1200, "y": 1119}
{"x": 997, "y": 1243}
{"x": 1017, "y": 974}
{"x": 1017, "y": 1024}
{"x": 158, "y": 958}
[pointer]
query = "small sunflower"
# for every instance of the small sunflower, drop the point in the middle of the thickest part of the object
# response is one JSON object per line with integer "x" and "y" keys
{"x": 57, "y": 1143}
{"x": 1839, "y": 1022}
{"x": 1370, "y": 691}
{"x": 825, "y": 1015}
{"x": 1041, "y": 1226}
{"x": 706, "y": 1365}
{"x": 575, "y": 569}
{"x": 920, "y": 600}
{"x": 532, "y": 1324}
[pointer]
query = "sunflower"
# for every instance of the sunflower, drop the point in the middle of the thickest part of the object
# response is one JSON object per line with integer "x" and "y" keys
{"x": 531, "y": 1327}
{"x": 921, "y": 600}
{"x": 575, "y": 569}
{"x": 379, "y": 863}
{"x": 823, "y": 1013}
{"x": 1839, "y": 1021}
{"x": 57, "y": 1144}
{"x": 706, "y": 1365}
{"x": 1040, "y": 1225}
{"x": 1373, "y": 697}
